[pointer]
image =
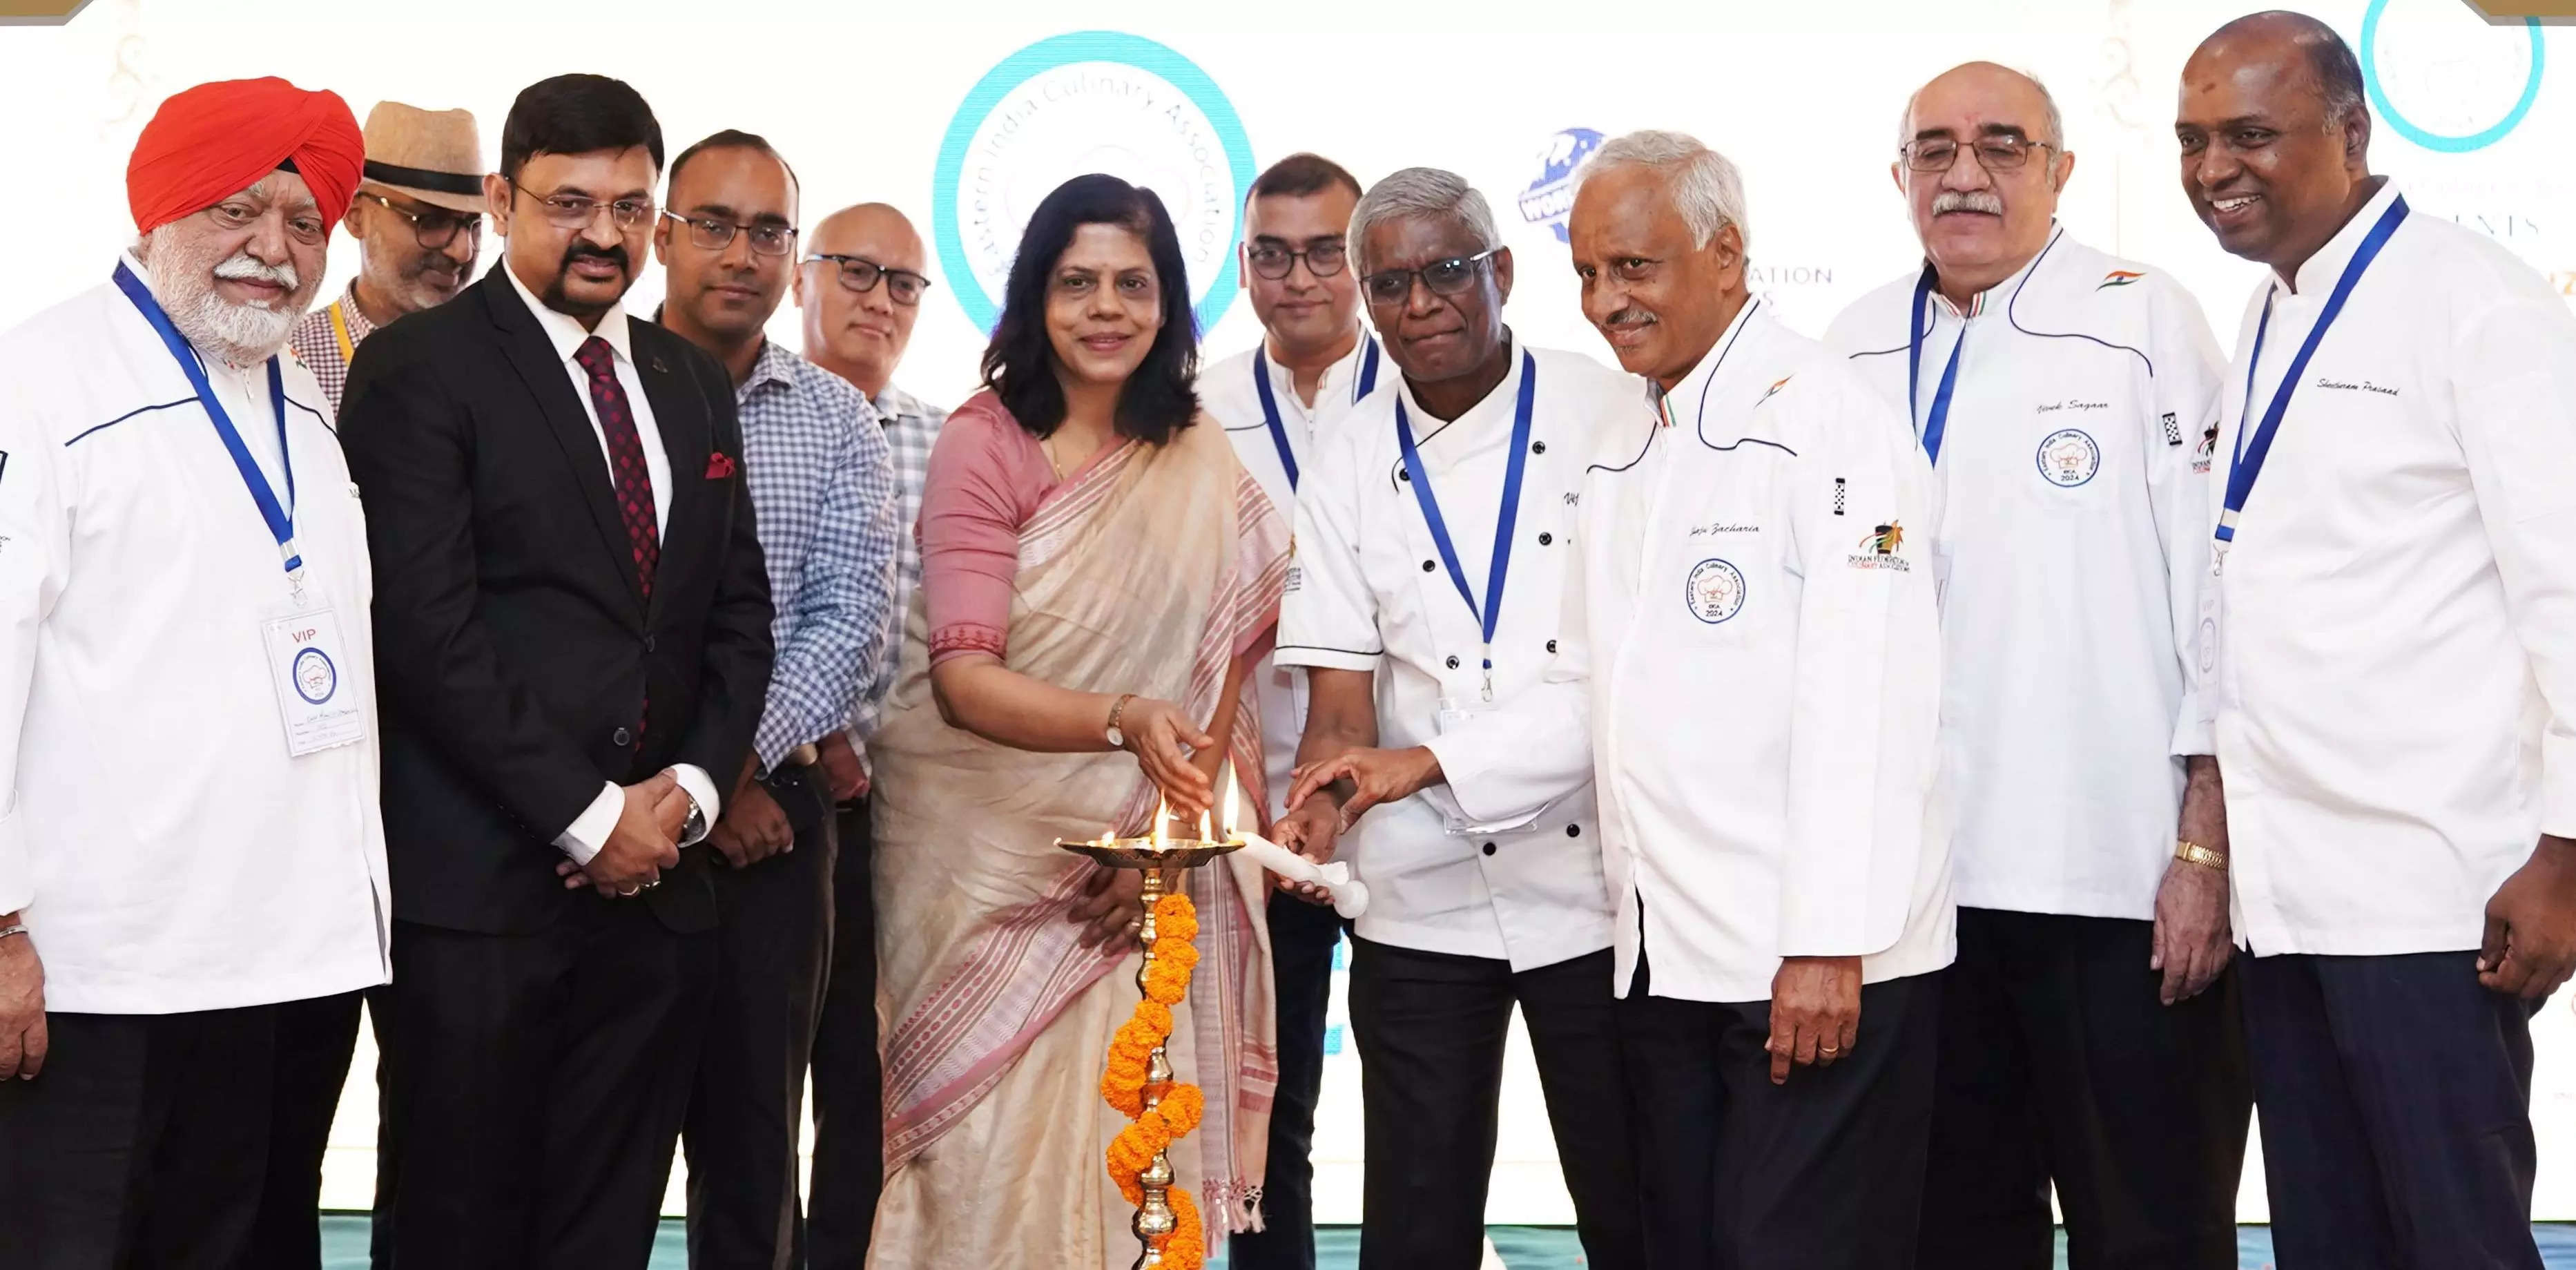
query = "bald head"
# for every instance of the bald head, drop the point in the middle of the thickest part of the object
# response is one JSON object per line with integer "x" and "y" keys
{"x": 2017, "y": 90}
{"x": 1982, "y": 158}
{"x": 860, "y": 335}
{"x": 2274, "y": 137}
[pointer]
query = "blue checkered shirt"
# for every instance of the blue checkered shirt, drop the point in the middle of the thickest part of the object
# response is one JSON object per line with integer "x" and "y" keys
{"x": 823, "y": 494}
{"x": 911, "y": 427}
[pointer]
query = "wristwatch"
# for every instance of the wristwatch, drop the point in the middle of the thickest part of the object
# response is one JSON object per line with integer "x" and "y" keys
{"x": 1118, "y": 739}
{"x": 2193, "y": 853}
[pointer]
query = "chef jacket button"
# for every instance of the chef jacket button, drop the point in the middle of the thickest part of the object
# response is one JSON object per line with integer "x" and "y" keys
{"x": 1545, "y": 539}
{"x": 622, "y": 737}
{"x": 1538, "y": 447}
{"x": 1551, "y": 646}
{"x": 1427, "y": 566}
{"x": 1489, "y": 848}
{"x": 1574, "y": 831}
{"x": 1453, "y": 663}
{"x": 1403, "y": 474}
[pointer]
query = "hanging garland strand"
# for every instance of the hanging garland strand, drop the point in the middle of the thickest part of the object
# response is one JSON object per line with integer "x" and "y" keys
{"x": 1122, "y": 1082}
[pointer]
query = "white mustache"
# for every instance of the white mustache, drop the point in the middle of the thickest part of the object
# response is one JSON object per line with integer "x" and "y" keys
{"x": 1967, "y": 201}
{"x": 243, "y": 267}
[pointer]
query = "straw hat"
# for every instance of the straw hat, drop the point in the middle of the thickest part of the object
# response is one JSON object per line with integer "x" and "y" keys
{"x": 431, "y": 155}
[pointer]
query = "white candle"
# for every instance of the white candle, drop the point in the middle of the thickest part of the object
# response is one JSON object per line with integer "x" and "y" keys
{"x": 1349, "y": 894}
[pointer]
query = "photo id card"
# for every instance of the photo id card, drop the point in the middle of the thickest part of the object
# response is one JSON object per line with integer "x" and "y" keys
{"x": 320, "y": 707}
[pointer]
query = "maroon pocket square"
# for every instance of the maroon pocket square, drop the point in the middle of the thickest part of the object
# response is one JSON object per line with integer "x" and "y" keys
{"x": 719, "y": 466}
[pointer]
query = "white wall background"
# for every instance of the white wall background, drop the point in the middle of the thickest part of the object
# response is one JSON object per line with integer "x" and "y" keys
{"x": 859, "y": 97}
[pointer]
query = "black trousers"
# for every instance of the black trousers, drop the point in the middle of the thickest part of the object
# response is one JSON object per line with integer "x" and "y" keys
{"x": 773, "y": 937}
{"x": 2396, "y": 1097}
{"x": 1431, "y": 1029}
{"x": 1302, "y": 939}
{"x": 142, "y": 1145}
{"x": 2059, "y": 1062}
{"x": 315, "y": 1040}
{"x": 849, "y": 1089}
{"x": 533, "y": 1090}
{"x": 1822, "y": 1173}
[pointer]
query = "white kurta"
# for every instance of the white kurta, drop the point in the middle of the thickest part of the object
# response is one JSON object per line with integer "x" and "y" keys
{"x": 1227, "y": 393}
{"x": 169, "y": 854}
{"x": 1753, "y": 677}
{"x": 2073, "y": 537}
{"x": 2395, "y": 686}
{"x": 1368, "y": 592}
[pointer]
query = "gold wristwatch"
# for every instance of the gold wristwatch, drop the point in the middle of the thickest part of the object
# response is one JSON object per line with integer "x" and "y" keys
{"x": 2193, "y": 853}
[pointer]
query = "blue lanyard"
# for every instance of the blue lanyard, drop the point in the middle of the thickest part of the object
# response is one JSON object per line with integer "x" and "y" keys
{"x": 2247, "y": 463}
{"x": 1915, "y": 331}
{"x": 1492, "y": 613}
{"x": 280, "y": 517}
{"x": 1270, "y": 401}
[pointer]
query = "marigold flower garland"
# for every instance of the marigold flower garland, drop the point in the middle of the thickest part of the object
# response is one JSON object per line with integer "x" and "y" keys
{"x": 1122, "y": 1081}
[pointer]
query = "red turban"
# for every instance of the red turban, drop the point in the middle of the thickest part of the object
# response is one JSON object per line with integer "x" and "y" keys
{"x": 216, "y": 140}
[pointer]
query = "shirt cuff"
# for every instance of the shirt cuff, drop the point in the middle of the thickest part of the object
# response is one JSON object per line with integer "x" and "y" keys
{"x": 17, "y": 872}
{"x": 589, "y": 831}
{"x": 2194, "y": 736}
{"x": 1324, "y": 658}
{"x": 701, "y": 791}
{"x": 2557, "y": 790}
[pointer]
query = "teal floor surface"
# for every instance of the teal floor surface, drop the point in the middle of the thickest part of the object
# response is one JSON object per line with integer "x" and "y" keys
{"x": 344, "y": 1246}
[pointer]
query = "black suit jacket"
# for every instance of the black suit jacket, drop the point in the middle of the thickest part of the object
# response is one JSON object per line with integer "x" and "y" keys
{"x": 514, "y": 655}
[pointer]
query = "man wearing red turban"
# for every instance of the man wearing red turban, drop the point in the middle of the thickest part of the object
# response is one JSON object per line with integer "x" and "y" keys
{"x": 182, "y": 558}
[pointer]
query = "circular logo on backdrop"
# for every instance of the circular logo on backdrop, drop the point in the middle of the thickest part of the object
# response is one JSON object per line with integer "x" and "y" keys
{"x": 1092, "y": 101}
{"x": 2068, "y": 457}
{"x": 1551, "y": 196}
{"x": 2449, "y": 82}
{"x": 315, "y": 678}
{"x": 1715, "y": 591}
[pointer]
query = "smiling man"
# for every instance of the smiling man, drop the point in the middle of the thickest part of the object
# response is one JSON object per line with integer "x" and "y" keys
{"x": 418, "y": 219}
{"x": 2065, "y": 399}
{"x": 2393, "y": 651}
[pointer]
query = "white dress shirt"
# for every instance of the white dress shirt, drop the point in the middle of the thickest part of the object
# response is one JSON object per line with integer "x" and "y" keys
{"x": 2072, "y": 539}
{"x": 169, "y": 854}
{"x": 2395, "y": 678}
{"x": 1228, "y": 394}
{"x": 590, "y": 830}
{"x": 1752, "y": 675}
{"x": 1368, "y": 592}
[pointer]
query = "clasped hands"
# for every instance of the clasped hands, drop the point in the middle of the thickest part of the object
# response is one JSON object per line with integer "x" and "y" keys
{"x": 645, "y": 841}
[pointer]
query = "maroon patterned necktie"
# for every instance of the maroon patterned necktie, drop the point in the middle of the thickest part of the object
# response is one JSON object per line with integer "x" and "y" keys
{"x": 626, "y": 470}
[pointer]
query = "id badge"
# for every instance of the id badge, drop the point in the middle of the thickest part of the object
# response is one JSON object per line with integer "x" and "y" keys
{"x": 307, "y": 661}
{"x": 1460, "y": 712}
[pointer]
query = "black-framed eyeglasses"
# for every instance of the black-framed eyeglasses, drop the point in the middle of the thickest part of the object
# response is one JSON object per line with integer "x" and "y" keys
{"x": 579, "y": 211}
{"x": 711, "y": 234}
{"x": 1441, "y": 277}
{"x": 1275, "y": 262}
{"x": 859, "y": 275}
{"x": 433, "y": 227}
{"x": 2001, "y": 152}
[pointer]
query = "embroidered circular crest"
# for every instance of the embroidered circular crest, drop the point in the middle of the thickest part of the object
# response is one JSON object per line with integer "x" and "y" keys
{"x": 2069, "y": 457}
{"x": 315, "y": 677}
{"x": 1715, "y": 592}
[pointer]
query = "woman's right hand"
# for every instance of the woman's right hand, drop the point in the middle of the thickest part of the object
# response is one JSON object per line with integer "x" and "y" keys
{"x": 1162, "y": 738}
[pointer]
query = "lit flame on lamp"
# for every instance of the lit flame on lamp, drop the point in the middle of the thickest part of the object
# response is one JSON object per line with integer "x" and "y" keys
{"x": 1233, "y": 828}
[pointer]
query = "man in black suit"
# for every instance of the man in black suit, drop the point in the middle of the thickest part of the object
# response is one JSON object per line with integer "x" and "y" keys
{"x": 572, "y": 621}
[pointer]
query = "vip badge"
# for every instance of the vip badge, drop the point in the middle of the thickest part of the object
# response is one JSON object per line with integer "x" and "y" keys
{"x": 1715, "y": 592}
{"x": 2069, "y": 457}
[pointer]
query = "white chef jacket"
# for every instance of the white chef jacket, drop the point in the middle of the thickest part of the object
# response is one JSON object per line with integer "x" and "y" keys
{"x": 590, "y": 830}
{"x": 1368, "y": 592}
{"x": 169, "y": 854}
{"x": 1228, "y": 394}
{"x": 1752, "y": 674}
{"x": 2072, "y": 539}
{"x": 2396, "y": 646}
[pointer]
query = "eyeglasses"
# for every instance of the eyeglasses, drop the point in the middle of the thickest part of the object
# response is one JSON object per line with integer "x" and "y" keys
{"x": 859, "y": 275}
{"x": 1441, "y": 277}
{"x": 711, "y": 234}
{"x": 578, "y": 211}
{"x": 307, "y": 229}
{"x": 433, "y": 228}
{"x": 2002, "y": 152}
{"x": 1323, "y": 260}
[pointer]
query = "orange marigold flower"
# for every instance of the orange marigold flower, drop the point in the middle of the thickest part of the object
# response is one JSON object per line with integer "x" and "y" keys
{"x": 1186, "y": 1247}
{"x": 1182, "y": 1108}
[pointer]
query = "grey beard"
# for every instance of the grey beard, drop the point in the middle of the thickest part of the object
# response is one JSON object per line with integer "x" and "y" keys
{"x": 239, "y": 335}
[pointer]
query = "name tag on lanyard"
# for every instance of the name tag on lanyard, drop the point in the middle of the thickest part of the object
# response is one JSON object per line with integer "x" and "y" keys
{"x": 304, "y": 650}
{"x": 1516, "y": 465}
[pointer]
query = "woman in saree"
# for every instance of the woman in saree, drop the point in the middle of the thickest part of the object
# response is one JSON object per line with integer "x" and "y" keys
{"x": 1098, "y": 575}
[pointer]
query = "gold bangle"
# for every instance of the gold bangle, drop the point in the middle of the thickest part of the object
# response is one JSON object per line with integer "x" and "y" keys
{"x": 2193, "y": 853}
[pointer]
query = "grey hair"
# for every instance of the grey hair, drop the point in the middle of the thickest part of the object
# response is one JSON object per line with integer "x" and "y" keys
{"x": 2050, "y": 118}
{"x": 1421, "y": 192}
{"x": 1705, "y": 184}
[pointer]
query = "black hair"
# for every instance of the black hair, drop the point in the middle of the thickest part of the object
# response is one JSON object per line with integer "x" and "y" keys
{"x": 730, "y": 139}
{"x": 1020, "y": 364}
{"x": 1302, "y": 173}
{"x": 577, "y": 114}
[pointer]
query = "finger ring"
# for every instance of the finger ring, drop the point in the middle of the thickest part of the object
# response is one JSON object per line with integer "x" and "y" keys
{"x": 629, "y": 892}
{"x": 650, "y": 885}
{"x": 1828, "y": 1050}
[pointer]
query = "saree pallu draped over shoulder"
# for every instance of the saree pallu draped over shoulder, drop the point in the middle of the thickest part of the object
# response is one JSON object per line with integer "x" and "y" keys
{"x": 1147, "y": 573}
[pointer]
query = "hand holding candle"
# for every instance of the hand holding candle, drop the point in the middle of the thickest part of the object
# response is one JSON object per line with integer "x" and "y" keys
{"x": 1349, "y": 895}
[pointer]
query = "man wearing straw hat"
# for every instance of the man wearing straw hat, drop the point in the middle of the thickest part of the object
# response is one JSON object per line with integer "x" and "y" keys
{"x": 418, "y": 219}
